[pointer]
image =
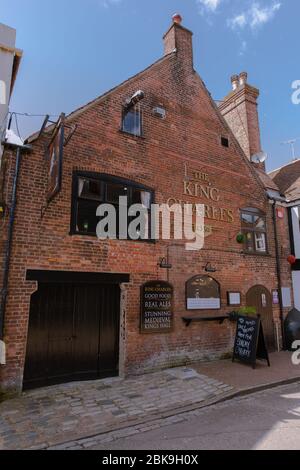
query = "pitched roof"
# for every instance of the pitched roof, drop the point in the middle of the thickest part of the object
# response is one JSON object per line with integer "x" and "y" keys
{"x": 266, "y": 180}
{"x": 287, "y": 178}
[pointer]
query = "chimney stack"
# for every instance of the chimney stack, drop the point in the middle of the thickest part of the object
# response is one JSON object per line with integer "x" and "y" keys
{"x": 235, "y": 82}
{"x": 179, "y": 39}
{"x": 239, "y": 108}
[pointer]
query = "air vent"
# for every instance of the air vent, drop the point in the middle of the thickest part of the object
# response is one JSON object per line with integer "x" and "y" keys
{"x": 225, "y": 141}
{"x": 160, "y": 112}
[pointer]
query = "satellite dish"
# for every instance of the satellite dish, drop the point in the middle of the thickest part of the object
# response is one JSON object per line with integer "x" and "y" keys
{"x": 260, "y": 157}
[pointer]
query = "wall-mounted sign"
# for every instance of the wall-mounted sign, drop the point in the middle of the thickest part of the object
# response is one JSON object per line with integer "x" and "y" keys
{"x": 234, "y": 298}
{"x": 156, "y": 307}
{"x": 203, "y": 293}
{"x": 286, "y": 297}
{"x": 55, "y": 160}
{"x": 264, "y": 300}
{"x": 280, "y": 213}
{"x": 275, "y": 297}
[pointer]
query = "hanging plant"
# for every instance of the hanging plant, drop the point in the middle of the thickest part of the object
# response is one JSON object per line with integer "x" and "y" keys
{"x": 240, "y": 238}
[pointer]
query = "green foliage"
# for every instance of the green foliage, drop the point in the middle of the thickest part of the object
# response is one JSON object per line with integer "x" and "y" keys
{"x": 240, "y": 238}
{"x": 250, "y": 311}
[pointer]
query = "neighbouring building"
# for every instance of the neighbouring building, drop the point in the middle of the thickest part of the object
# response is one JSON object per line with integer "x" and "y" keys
{"x": 74, "y": 302}
{"x": 287, "y": 178}
{"x": 10, "y": 58}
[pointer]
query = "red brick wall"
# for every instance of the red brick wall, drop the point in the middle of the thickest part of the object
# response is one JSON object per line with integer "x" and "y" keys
{"x": 239, "y": 109}
{"x": 189, "y": 134}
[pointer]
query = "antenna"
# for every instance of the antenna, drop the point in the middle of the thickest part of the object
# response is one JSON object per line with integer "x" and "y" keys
{"x": 260, "y": 157}
{"x": 292, "y": 144}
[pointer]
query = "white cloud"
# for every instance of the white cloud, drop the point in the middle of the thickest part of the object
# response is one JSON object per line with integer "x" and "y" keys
{"x": 210, "y": 5}
{"x": 243, "y": 48}
{"x": 255, "y": 17}
{"x": 260, "y": 16}
{"x": 238, "y": 21}
{"x": 108, "y": 3}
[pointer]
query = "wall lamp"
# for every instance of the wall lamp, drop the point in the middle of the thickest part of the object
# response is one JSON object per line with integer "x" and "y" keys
{"x": 136, "y": 98}
{"x": 163, "y": 264}
{"x": 209, "y": 268}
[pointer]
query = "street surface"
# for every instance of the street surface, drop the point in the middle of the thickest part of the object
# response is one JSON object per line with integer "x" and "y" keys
{"x": 265, "y": 420}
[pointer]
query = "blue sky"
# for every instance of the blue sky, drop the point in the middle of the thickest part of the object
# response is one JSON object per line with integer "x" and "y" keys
{"x": 74, "y": 50}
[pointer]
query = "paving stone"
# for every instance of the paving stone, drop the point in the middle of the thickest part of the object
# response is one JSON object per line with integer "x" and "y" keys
{"x": 70, "y": 411}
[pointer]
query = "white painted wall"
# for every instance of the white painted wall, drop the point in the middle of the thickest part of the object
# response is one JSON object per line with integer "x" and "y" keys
{"x": 8, "y": 39}
{"x": 296, "y": 287}
{"x": 296, "y": 229}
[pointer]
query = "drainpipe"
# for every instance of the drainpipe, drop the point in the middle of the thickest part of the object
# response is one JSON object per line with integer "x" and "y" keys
{"x": 8, "y": 249}
{"x": 273, "y": 202}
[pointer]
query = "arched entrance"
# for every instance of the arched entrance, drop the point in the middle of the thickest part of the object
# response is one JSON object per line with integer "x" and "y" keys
{"x": 260, "y": 298}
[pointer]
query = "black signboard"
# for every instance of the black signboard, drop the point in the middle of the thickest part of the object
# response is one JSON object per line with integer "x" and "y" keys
{"x": 156, "y": 307}
{"x": 249, "y": 342}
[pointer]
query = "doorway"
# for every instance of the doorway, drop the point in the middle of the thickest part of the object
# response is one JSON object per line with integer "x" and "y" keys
{"x": 73, "y": 333}
{"x": 260, "y": 298}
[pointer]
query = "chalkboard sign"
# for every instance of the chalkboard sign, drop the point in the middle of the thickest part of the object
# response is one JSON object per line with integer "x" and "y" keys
{"x": 249, "y": 342}
{"x": 156, "y": 307}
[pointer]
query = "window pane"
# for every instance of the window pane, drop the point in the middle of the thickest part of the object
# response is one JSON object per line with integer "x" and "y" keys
{"x": 260, "y": 223}
{"x": 132, "y": 122}
{"x": 260, "y": 242}
{"x": 114, "y": 191}
{"x": 86, "y": 216}
{"x": 247, "y": 219}
{"x": 249, "y": 241}
{"x": 89, "y": 189}
{"x": 141, "y": 197}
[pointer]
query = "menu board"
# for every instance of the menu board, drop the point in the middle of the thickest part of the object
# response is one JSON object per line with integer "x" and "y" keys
{"x": 203, "y": 293}
{"x": 156, "y": 307}
{"x": 249, "y": 342}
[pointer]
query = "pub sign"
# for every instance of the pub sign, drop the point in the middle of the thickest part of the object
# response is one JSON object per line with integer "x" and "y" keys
{"x": 55, "y": 160}
{"x": 156, "y": 307}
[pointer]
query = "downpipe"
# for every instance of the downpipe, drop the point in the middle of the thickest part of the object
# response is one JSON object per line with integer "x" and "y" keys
{"x": 7, "y": 255}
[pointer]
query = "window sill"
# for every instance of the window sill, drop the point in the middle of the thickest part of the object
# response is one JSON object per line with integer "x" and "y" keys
{"x": 94, "y": 237}
{"x": 128, "y": 134}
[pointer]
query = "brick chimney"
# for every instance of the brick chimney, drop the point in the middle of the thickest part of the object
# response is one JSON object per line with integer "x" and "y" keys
{"x": 179, "y": 39}
{"x": 239, "y": 108}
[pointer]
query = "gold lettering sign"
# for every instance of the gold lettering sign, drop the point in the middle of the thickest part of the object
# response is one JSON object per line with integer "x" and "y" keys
{"x": 201, "y": 188}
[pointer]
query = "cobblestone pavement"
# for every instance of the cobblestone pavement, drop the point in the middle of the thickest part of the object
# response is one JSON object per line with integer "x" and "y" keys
{"x": 60, "y": 416}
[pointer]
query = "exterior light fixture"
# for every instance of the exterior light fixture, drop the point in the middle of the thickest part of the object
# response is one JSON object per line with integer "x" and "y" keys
{"x": 163, "y": 264}
{"x": 209, "y": 268}
{"x": 136, "y": 98}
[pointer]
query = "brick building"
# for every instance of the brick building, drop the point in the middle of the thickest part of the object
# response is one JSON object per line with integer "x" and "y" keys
{"x": 287, "y": 179}
{"x": 73, "y": 306}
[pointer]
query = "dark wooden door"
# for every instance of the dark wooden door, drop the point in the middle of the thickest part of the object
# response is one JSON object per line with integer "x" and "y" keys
{"x": 260, "y": 298}
{"x": 73, "y": 333}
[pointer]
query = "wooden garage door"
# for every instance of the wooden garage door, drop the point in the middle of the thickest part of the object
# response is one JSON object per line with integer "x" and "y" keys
{"x": 73, "y": 333}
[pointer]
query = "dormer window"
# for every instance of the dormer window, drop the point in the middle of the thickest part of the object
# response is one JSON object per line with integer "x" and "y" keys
{"x": 132, "y": 121}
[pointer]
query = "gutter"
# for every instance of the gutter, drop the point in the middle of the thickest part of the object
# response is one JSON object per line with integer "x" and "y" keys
{"x": 274, "y": 201}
